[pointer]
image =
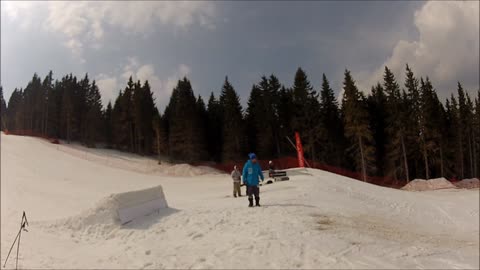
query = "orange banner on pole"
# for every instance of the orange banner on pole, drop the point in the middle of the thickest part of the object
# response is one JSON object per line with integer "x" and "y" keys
{"x": 301, "y": 159}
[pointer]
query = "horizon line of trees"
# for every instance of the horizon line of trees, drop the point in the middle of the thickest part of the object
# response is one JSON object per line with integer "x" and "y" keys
{"x": 400, "y": 132}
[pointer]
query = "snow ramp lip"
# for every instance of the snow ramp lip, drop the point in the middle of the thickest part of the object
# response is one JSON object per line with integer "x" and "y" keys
{"x": 119, "y": 209}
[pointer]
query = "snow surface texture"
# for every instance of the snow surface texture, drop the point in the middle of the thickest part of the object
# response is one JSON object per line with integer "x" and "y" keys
{"x": 468, "y": 183}
{"x": 432, "y": 184}
{"x": 132, "y": 162}
{"x": 315, "y": 220}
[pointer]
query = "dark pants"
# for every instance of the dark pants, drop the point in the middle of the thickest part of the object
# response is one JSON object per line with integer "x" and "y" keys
{"x": 253, "y": 191}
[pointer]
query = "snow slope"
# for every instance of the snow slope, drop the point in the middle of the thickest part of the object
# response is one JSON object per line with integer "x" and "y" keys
{"x": 315, "y": 220}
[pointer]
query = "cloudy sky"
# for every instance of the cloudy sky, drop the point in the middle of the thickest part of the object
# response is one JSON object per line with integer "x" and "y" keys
{"x": 163, "y": 41}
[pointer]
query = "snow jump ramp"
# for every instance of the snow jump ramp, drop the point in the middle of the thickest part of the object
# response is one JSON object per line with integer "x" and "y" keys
{"x": 135, "y": 204}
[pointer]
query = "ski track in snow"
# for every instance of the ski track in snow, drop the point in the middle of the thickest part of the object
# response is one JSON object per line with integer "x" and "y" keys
{"x": 315, "y": 220}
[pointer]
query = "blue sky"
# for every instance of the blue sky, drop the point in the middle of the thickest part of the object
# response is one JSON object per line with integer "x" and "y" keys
{"x": 206, "y": 41}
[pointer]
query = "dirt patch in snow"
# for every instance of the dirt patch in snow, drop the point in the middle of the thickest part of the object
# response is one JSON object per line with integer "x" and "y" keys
{"x": 468, "y": 183}
{"x": 368, "y": 227}
{"x": 432, "y": 184}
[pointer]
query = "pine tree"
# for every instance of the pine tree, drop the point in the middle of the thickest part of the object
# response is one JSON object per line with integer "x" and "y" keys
{"x": 183, "y": 124}
{"x": 201, "y": 126}
{"x": 214, "y": 129}
{"x": 357, "y": 126}
{"x": 68, "y": 119}
{"x": 120, "y": 132}
{"x": 32, "y": 110}
{"x": 396, "y": 129}
{"x": 137, "y": 114}
{"x": 440, "y": 131}
{"x": 233, "y": 129}
{"x": 449, "y": 136}
{"x": 53, "y": 110}
{"x": 168, "y": 115}
{"x": 377, "y": 104}
{"x": 80, "y": 108}
{"x": 332, "y": 138}
{"x": 127, "y": 116}
{"x": 142, "y": 113}
{"x": 149, "y": 112}
{"x": 14, "y": 111}
{"x": 271, "y": 99}
{"x": 430, "y": 140}
{"x": 285, "y": 116}
{"x": 109, "y": 125}
{"x": 47, "y": 94}
{"x": 160, "y": 136}
{"x": 476, "y": 136}
{"x": 412, "y": 111}
{"x": 3, "y": 111}
{"x": 266, "y": 118}
{"x": 94, "y": 116}
{"x": 254, "y": 109}
{"x": 465, "y": 106}
{"x": 306, "y": 115}
{"x": 470, "y": 110}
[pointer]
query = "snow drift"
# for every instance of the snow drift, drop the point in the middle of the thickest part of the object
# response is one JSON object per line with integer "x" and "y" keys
{"x": 468, "y": 183}
{"x": 132, "y": 162}
{"x": 118, "y": 209}
{"x": 432, "y": 184}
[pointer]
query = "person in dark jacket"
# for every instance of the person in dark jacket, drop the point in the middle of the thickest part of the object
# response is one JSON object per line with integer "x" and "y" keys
{"x": 251, "y": 174}
{"x": 271, "y": 168}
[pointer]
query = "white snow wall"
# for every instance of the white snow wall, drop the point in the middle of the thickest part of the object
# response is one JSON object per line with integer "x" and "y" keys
{"x": 135, "y": 204}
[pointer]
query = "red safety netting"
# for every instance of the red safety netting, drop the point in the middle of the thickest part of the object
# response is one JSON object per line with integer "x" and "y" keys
{"x": 292, "y": 162}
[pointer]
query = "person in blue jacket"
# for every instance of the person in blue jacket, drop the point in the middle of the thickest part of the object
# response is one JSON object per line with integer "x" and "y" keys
{"x": 251, "y": 173}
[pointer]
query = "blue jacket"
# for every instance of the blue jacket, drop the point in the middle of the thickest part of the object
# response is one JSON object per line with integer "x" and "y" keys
{"x": 251, "y": 173}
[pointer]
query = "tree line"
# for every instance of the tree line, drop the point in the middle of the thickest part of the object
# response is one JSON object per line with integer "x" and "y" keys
{"x": 403, "y": 132}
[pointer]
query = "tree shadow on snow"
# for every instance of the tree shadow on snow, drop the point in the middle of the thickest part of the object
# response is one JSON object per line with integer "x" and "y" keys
{"x": 144, "y": 223}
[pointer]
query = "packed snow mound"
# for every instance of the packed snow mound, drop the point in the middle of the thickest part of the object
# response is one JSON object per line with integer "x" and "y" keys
{"x": 432, "y": 184}
{"x": 117, "y": 209}
{"x": 133, "y": 162}
{"x": 183, "y": 170}
{"x": 468, "y": 183}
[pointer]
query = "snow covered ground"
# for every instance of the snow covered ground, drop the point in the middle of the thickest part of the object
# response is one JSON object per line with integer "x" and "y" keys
{"x": 315, "y": 220}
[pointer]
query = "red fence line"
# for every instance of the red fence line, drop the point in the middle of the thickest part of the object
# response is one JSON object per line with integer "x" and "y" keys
{"x": 292, "y": 162}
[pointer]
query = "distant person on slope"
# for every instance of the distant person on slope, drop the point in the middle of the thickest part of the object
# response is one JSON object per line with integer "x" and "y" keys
{"x": 271, "y": 168}
{"x": 251, "y": 172}
{"x": 236, "y": 176}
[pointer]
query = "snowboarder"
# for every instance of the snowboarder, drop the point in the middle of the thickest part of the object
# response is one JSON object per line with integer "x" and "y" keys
{"x": 236, "y": 182}
{"x": 251, "y": 172}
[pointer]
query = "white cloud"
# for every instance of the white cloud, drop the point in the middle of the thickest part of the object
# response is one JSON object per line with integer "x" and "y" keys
{"x": 76, "y": 47}
{"x": 21, "y": 12}
{"x": 82, "y": 22}
{"x": 171, "y": 81}
{"x": 109, "y": 85}
{"x": 447, "y": 48}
